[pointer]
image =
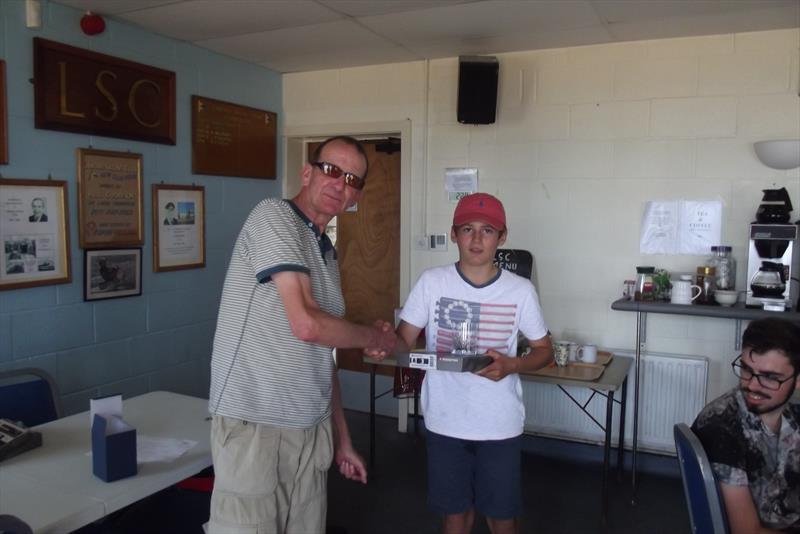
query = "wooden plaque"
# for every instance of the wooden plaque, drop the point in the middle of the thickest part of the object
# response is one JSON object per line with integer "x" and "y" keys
{"x": 77, "y": 90}
{"x": 3, "y": 115}
{"x": 232, "y": 140}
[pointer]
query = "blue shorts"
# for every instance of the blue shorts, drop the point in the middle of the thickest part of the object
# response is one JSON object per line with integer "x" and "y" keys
{"x": 463, "y": 474}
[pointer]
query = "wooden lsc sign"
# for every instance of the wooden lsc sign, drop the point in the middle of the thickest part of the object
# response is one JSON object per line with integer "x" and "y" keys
{"x": 77, "y": 90}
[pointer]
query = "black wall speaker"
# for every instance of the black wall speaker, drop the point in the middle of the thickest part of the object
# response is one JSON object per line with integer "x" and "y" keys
{"x": 477, "y": 89}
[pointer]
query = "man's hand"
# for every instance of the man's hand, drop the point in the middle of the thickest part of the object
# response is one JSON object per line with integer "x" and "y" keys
{"x": 385, "y": 341}
{"x": 351, "y": 465}
{"x": 501, "y": 367}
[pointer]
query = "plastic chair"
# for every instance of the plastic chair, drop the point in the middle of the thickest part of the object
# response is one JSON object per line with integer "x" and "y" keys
{"x": 29, "y": 395}
{"x": 10, "y": 524}
{"x": 706, "y": 508}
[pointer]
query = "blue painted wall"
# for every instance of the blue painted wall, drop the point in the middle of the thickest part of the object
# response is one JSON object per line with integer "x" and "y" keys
{"x": 162, "y": 339}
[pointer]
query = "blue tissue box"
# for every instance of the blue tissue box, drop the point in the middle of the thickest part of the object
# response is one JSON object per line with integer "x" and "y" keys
{"x": 113, "y": 448}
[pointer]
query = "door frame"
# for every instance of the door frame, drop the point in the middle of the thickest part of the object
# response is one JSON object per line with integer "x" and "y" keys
{"x": 296, "y": 140}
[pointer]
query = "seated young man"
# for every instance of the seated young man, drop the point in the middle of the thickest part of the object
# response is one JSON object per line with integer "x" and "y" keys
{"x": 751, "y": 434}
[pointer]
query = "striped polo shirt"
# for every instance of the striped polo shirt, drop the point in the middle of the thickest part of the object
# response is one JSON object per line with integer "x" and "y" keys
{"x": 260, "y": 371}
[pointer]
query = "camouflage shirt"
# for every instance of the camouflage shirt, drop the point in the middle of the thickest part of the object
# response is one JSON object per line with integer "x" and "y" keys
{"x": 744, "y": 452}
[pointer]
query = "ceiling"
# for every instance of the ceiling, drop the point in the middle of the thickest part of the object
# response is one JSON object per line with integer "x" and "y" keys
{"x": 303, "y": 35}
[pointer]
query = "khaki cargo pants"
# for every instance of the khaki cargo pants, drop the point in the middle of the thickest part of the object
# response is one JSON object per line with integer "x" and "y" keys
{"x": 269, "y": 479}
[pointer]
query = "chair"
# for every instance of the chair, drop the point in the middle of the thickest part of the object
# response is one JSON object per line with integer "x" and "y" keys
{"x": 10, "y": 524}
{"x": 706, "y": 509}
{"x": 29, "y": 395}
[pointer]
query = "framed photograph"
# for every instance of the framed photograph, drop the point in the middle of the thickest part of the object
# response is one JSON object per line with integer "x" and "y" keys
{"x": 34, "y": 232}
{"x": 110, "y": 191}
{"x": 112, "y": 273}
{"x": 3, "y": 115}
{"x": 179, "y": 235}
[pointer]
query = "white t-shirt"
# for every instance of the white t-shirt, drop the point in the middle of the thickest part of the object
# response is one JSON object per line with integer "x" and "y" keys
{"x": 465, "y": 405}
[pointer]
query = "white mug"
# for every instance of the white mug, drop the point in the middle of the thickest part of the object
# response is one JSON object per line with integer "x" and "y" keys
{"x": 587, "y": 353}
{"x": 682, "y": 292}
{"x": 573, "y": 351}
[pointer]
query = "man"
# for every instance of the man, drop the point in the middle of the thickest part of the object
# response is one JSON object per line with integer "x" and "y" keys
{"x": 475, "y": 421}
{"x": 170, "y": 218}
{"x": 37, "y": 206}
{"x": 752, "y": 433}
{"x": 274, "y": 390}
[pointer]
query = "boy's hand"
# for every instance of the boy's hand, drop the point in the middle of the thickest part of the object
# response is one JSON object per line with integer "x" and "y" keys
{"x": 501, "y": 367}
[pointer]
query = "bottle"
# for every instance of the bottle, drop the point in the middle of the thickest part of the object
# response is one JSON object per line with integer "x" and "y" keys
{"x": 645, "y": 288}
{"x": 725, "y": 266}
{"x": 706, "y": 280}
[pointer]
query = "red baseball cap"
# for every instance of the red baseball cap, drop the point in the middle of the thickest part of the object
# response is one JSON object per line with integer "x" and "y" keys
{"x": 481, "y": 207}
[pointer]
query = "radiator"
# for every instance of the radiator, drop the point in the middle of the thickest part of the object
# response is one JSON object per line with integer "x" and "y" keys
{"x": 672, "y": 389}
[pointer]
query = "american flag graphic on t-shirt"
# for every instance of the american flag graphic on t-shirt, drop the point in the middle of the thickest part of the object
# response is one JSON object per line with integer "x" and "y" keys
{"x": 494, "y": 323}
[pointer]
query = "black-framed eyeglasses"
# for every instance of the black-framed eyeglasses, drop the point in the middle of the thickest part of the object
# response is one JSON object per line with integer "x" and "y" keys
{"x": 767, "y": 382}
{"x": 333, "y": 171}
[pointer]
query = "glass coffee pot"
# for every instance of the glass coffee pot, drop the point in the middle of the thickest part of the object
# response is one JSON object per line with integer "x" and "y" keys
{"x": 769, "y": 280}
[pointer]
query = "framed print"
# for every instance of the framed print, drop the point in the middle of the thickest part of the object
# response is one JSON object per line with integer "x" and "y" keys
{"x": 34, "y": 232}
{"x": 179, "y": 235}
{"x": 110, "y": 191}
{"x": 112, "y": 273}
{"x": 3, "y": 115}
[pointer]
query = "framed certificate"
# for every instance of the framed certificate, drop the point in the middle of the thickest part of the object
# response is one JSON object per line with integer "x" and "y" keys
{"x": 34, "y": 232}
{"x": 178, "y": 227}
{"x": 110, "y": 191}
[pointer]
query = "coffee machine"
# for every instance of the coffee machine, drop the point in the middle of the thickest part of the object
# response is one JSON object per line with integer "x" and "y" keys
{"x": 772, "y": 254}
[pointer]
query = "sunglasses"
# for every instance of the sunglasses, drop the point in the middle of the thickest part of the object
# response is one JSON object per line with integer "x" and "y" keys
{"x": 332, "y": 171}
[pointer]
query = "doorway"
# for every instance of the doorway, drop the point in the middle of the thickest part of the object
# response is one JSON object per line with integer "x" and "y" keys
{"x": 367, "y": 239}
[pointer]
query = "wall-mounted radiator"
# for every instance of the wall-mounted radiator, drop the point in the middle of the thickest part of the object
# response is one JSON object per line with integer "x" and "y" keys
{"x": 672, "y": 389}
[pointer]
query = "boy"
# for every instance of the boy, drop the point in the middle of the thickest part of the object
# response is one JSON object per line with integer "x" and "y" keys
{"x": 475, "y": 421}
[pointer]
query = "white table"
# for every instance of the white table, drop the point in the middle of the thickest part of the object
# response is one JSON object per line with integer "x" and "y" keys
{"x": 53, "y": 489}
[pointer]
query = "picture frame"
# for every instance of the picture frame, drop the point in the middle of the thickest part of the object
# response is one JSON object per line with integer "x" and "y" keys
{"x": 112, "y": 273}
{"x": 34, "y": 233}
{"x": 178, "y": 227}
{"x": 3, "y": 115}
{"x": 110, "y": 192}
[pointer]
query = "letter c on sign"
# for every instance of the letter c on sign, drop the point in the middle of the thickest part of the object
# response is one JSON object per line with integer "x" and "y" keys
{"x": 132, "y": 102}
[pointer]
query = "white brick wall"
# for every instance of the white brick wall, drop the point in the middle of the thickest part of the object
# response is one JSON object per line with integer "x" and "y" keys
{"x": 584, "y": 137}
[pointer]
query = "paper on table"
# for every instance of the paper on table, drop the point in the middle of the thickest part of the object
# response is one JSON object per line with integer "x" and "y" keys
{"x": 152, "y": 449}
{"x": 105, "y": 406}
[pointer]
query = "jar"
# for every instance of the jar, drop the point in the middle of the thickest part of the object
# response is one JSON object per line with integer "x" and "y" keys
{"x": 706, "y": 280}
{"x": 725, "y": 266}
{"x": 645, "y": 288}
{"x": 628, "y": 289}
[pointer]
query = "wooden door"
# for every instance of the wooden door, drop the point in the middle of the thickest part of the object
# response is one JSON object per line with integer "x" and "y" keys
{"x": 368, "y": 244}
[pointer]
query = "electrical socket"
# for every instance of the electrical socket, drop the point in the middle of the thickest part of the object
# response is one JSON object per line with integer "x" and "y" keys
{"x": 421, "y": 242}
{"x": 438, "y": 242}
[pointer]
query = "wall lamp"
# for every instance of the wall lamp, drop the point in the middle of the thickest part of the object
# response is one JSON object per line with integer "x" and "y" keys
{"x": 779, "y": 153}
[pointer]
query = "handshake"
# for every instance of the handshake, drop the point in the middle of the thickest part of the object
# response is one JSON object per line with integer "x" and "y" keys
{"x": 384, "y": 341}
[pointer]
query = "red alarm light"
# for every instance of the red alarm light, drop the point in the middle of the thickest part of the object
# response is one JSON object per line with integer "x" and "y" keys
{"x": 92, "y": 23}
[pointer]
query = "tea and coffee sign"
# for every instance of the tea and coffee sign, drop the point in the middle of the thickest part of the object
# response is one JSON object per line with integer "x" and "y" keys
{"x": 77, "y": 90}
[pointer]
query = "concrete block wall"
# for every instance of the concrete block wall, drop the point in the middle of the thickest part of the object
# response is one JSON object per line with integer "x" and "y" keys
{"x": 584, "y": 137}
{"x": 162, "y": 339}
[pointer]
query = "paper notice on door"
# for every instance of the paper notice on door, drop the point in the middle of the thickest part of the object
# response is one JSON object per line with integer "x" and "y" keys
{"x": 680, "y": 226}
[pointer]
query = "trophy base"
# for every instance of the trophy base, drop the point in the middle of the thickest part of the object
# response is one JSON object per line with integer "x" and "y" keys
{"x": 443, "y": 361}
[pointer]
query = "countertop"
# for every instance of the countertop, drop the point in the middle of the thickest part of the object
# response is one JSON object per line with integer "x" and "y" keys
{"x": 738, "y": 311}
